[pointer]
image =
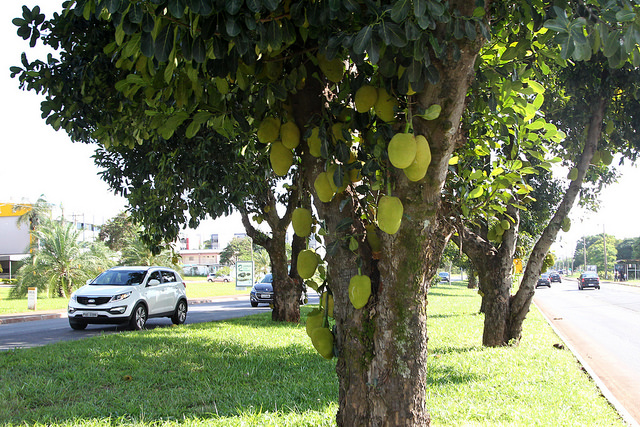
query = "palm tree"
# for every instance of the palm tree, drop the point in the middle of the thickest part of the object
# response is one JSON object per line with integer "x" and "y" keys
{"x": 60, "y": 262}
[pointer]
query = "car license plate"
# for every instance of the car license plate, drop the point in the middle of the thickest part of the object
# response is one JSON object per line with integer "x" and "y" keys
{"x": 89, "y": 314}
{"x": 265, "y": 296}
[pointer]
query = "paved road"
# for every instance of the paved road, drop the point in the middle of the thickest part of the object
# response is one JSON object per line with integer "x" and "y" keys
{"x": 42, "y": 332}
{"x": 603, "y": 328}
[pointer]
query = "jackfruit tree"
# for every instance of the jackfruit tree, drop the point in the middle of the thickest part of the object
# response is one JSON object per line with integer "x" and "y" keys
{"x": 224, "y": 67}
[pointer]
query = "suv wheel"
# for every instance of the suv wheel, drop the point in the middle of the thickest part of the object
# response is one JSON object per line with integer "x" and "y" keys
{"x": 254, "y": 304}
{"x": 138, "y": 318}
{"x": 180, "y": 314}
{"x": 77, "y": 326}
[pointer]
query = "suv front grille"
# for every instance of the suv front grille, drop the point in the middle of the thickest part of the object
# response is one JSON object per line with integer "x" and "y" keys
{"x": 93, "y": 300}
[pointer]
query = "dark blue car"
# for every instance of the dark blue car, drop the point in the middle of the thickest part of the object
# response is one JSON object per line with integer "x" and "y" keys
{"x": 262, "y": 292}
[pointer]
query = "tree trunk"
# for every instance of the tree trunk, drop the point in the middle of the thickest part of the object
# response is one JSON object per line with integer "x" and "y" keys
{"x": 286, "y": 306}
{"x": 494, "y": 266}
{"x": 521, "y": 301}
{"x": 472, "y": 279}
{"x": 382, "y": 347}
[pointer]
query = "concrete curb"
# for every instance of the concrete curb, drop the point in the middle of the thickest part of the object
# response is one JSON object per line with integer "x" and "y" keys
{"x": 7, "y": 319}
{"x": 624, "y": 414}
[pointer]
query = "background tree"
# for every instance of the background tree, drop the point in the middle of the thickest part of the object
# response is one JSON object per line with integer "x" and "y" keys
{"x": 117, "y": 231}
{"x": 625, "y": 248}
{"x": 238, "y": 249}
{"x": 60, "y": 262}
{"x": 136, "y": 252}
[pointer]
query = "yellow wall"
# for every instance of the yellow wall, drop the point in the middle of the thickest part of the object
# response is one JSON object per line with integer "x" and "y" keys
{"x": 6, "y": 209}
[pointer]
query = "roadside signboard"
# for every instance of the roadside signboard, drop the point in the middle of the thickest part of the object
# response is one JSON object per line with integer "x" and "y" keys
{"x": 32, "y": 298}
{"x": 244, "y": 275}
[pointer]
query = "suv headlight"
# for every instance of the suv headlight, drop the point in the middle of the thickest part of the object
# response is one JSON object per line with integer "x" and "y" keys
{"x": 121, "y": 297}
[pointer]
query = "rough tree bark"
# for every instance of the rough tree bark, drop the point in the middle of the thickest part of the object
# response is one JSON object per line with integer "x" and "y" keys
{"x": 494, "y": 266}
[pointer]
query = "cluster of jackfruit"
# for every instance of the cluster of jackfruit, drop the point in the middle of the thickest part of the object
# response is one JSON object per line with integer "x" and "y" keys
{"x": 283, "y": 138}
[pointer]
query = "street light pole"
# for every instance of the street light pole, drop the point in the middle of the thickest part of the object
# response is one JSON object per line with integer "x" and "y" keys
{"x": 604, "y": 242}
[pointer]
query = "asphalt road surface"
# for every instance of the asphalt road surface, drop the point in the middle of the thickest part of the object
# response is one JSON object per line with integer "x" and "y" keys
{"x": 603, "y": 328}
{"x": 42, "y": 332}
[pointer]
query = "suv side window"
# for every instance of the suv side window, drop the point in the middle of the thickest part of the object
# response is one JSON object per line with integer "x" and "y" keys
{"x": 155, "y": 275}
{"x": 168, "y": 277}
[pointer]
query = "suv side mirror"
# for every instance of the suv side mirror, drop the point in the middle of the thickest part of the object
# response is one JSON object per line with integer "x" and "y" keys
{"x": 153, "y": 282}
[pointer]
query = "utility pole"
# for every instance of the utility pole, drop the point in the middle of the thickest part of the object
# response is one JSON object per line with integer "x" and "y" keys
{"x": 584, "y": 253}
{"x": 604, "y": 242}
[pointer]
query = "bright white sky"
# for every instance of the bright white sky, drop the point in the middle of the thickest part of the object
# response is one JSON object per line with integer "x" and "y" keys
{"x": 36, "y": 160}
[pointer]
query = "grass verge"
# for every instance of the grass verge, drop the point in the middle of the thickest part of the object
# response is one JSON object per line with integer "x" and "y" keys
{"x": 196, "y": 288}
{"x": 252, "y": 372}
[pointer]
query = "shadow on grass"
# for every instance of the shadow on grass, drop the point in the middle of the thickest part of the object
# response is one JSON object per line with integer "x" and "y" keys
{"x": 212, "y": 370}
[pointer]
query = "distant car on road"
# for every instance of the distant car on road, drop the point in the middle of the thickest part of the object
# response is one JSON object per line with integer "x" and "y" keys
{"x": 444, "y": 277}
{"x": 213, "y": 277}
{"x": 544, "y": 280}
{"x": 262, "y": 292}
{"x": 589, "y": 279}
{"x": 555, "y": 277}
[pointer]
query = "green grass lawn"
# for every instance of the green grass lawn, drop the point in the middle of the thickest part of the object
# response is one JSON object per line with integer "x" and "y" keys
{"x": 253, "y": 372}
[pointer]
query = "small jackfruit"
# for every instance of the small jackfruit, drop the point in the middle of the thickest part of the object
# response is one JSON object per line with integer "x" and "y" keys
{"x": 359, "y": 290}
{"x": 505, "y": 224}
{"x": 372, "y": 238}
{"x": 301, "y": 221}
{"x": 324, "y": 191}
{"x": 402, "y": 150}
{"x": 573, "y": 174}
{"x": 326, "y": 300}
{"x": 336, "y": 130}
{"x": 333, "y": 69}
{"x": 290, "y": 135}
{"x": 566, "y": 224}
{"x": 390, "y": 212}
{"x": 322, "y": 340}
{"x": 606, "y": 157}
{"x": 418, "y": 169}
{"x": 269, "y": 130}
{"x": 281, "y": 158}
{"x": 314, "y": 320}
{"x": 365, "y": 98}
{"x": 307, "y": 263}
{"x": 314, "y": 142}
{"x": 385, "y": 105}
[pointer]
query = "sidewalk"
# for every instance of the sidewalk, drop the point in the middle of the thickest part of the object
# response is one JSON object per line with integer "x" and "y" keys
{"x": 29, "y": 316}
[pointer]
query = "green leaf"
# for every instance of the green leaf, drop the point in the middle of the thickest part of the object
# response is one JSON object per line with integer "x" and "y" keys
{"x": 177, "y": 7}
{"x": 556, "y": 25}
{"x": 147, "y": 46}
{"x": 393, "y": 34}
{"x": 611, "y": 44}
{"x": 432, "y": 113}
{"x": 476, "y": 192}
{"x": 400, "y": 10}
{"x": 164, "y": 44}
{"x": 233, "y": 6}
{"x": 362, "y": 40}
{"x": 538, "y": 124}
{"x": 625, "y": 15}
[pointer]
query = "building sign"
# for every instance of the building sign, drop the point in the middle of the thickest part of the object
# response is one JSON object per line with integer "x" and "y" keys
{"x": 244, "y": 275}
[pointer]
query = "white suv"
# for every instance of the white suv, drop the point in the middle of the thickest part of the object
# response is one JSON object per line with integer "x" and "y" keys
{"x": 129, "y": 295}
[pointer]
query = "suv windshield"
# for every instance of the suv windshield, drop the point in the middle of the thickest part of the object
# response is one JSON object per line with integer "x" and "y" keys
{"x": 120, "y": 277}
